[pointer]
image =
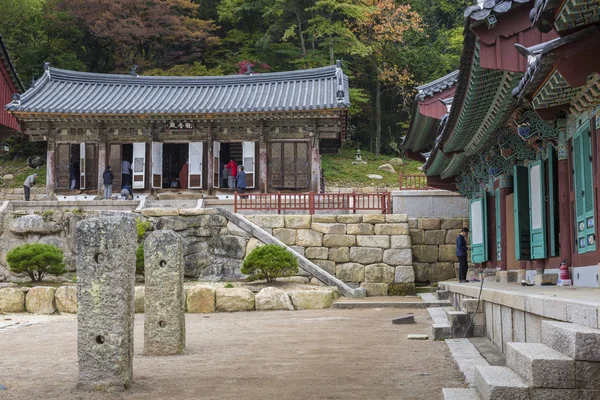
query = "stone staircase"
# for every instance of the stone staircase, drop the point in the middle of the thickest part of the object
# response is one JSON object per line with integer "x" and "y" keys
{"x": 462, "y": 320}
{"x": 566, "y": 365}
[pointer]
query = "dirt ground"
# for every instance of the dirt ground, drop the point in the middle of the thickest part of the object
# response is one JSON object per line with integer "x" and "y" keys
{"x": 320, "y": 354}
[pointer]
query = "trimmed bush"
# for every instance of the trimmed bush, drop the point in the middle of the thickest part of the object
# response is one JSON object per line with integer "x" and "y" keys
{"x": 36, "y": 260}
{"x": 269, "y": 262}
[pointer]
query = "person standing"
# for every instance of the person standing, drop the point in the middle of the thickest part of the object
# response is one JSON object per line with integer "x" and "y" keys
{"x": 241, "y": 180}
{"x": 233, "y": 169}
{"x": 461, "y": 253}
{"x": 125, "y": 172}
{"x": 72, "y": 176}
{"x": 29, "y": 182}
{"x": 108, "y": 177}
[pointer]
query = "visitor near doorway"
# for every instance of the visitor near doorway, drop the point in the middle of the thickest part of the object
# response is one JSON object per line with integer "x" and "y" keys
{"x": 29, "y": 182}
{"x": 108, "y": 177}
{"x": 125, "y": 172}
{"x": 241, "y": 179}
{"x": 232, "y": 167}
{"x": 461, "y": 253}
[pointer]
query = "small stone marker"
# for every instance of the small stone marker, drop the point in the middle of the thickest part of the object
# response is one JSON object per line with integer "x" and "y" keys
{"x": 405, "y": 319}
{"x": 106, "y": 279}
{"x": 415, "y": 336}
{"x": 164, "y": 303}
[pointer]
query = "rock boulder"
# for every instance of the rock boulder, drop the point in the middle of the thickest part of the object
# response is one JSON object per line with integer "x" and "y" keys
{"x": 66, "y": 299}
{"x": 40, "y": 300}
{"x": 312, "y": 299}
{"x": 201, "y": 299}
{"x": 234, "y": 299}
{"x": 11, "y": 300}
{"x": 387, "y": 168}
{"x": 271, "y": 298}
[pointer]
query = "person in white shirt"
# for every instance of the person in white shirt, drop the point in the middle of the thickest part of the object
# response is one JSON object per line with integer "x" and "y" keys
{"x": 125, "y": 173}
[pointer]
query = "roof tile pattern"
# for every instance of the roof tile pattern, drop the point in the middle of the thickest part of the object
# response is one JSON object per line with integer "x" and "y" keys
{"x": 71, "y": 92}
{"x": 437, "y": 86}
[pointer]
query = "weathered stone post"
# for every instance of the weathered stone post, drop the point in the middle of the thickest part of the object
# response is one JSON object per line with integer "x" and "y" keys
{"x": 164, "y": 303}
{"x": 105, "y": 293}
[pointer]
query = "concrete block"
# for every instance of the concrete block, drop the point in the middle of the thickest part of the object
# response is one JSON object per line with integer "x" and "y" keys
{"x": 540, "y": 366}
{"x": 533, "y": 328}
{"x": 317, "y": 253}
{"x": 518, "y": 325}
{"x": 349, "y": 219}
{"x": 339, "y": 254}
{"x": 367, "y": 255}
{"x": 398, "y": 257}
{"x": 585, "y": 314}
{"x": 507, "y": 328}
{"x": 337, "y": 240}
{"x": 424, "y": 253}
{"x": 555, "y": 308}
{"x": 392, "y": 229}
{"x": 500, "y": 383}
{"x": 404, "y": 274}
{"x": 164, "y": 302}
{"x": 434, "y": 237}
{"x": 382, "y": 241}
{"x": 105, "y": 294}
{"x": 375, "y": 289}
{"x": 587, "y": 375}
{"x": 545, "y": 279}
{"x": 417, "y": 236}
{"x": 447, "y": 253}
{"x": 429, "y": 223}
{"x": 287, "y": 236}
{"x": 360, "y": 229}
{"x": 534, "y": 304}
{"x": 576, "y": 341}
{"x": 400, "y": 242}
{"x": 379, "y": 273}
{"x": 373, "y": 218}
{"x": 329, "y": 228}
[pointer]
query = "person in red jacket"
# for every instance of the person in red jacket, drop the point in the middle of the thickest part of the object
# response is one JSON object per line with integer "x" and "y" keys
{"x": 233, "y": 169}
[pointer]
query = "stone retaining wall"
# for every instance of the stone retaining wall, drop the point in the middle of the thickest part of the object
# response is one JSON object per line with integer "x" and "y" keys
{"x": 373, "y": 251}
{"x": 198, "y": 299}
{"x": 37, "y": 193}
{"x": 433, "y": 243}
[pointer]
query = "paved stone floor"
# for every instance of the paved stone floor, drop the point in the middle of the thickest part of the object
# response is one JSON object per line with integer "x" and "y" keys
{"x": 320, "y": 354}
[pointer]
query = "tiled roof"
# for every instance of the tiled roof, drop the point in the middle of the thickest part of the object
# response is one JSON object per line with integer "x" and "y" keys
{"x": 484, "y": 8}
{"x": 10, "y": 66}
{"x": 71, "y": 92}
{"x": 439, "y": 85}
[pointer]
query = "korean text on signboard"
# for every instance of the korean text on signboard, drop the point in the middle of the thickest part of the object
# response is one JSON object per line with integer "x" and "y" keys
{"x": 179, "y": 126}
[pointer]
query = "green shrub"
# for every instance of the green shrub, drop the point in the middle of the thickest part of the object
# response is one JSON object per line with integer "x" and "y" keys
{"x": 139, "y": 259}
{"x": 142, "y": 227}
{"x": 46, "y": 215}
{"x": 228, "y": 286}
{"x": 269, "y": 262}
{"x": 36, "y": 260}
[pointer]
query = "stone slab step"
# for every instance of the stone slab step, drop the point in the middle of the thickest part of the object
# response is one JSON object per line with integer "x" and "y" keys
{"x": 467, "y": 357}
{"x": 440, "y": 329}
{"x": 500, "y": 383}
{"x": 383, "y": 304}
{"x": 541, "y": 366}
{"x": 431, "y": 298}
{"x": 460, "y": 394}
{"x": 576, "y": 341}
{"x": 425, "y": 289}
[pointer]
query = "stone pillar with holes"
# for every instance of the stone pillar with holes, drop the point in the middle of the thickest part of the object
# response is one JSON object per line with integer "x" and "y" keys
{"x": 164, "y": 302}
{"x": 105, "y": 294}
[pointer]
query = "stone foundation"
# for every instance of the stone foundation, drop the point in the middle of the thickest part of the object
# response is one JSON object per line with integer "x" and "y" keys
{"x": 433, "y": 244}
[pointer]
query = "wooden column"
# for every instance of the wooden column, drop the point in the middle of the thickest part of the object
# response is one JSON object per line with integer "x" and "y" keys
{"x": 504, "y": 191}
{"x": 315, "y": 159}
{"x": 262, "y": 159}
{"x": 50, "y": 170}
{"x": 101, "y": 165}
{"x": 564, "y": 203}
{"x": 210, "y": 168}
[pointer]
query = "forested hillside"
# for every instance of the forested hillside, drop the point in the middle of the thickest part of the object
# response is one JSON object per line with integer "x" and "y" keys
{"x": 387, "y": 47}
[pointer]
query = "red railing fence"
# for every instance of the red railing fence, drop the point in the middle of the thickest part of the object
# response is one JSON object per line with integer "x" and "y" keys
{"x": 414, "y": 182}
{"x": 313, "y": 202}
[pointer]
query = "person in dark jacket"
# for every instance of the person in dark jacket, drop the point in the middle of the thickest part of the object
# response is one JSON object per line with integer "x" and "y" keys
{"x": 108, "y": 177}
{"x": 241, "y": 179}
{"x": 461, "y": 253}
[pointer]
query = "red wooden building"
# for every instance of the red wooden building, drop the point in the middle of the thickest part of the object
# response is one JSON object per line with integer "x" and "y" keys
{"x": 521, "y": 138}
{"x": 9, "y": 85}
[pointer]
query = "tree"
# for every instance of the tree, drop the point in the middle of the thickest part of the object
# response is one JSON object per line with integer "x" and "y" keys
{"x": 382, "y": 31}
{"x": 147, "y": 33}
{"x": 36, "y": 260}
{"x": 269, "y": 262}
